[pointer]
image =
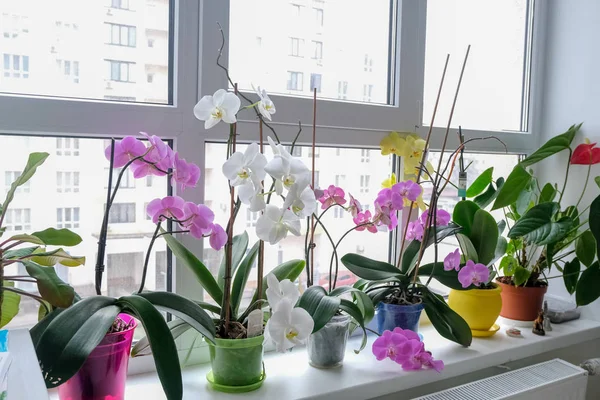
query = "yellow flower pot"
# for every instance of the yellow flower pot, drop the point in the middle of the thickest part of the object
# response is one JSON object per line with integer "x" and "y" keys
{"x": 480, "y": 308}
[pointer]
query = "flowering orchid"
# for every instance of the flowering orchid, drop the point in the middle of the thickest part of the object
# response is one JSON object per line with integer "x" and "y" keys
{"x": 354, "y": 206}
{"x": 287, "y": 170}
{"x": 443, "y": 217}
{"x": 198, "y": 218}
{"x": 265, "y": 105}
{"x": 158, "y": 160}
{"x": 405, "y": 190}
{"x": 452, "y": 261}
{"x": 393, "y": 144}
{"x": 303, "y": 204}
{"x": 246, "y": 171}
{"x": 586, "y": 154}
{"x": 415, "y": 231}
{"x": 385, "y": 216}
{"x": 404, "y": 347}
{"x": 217, "y": 237}
{"x": 333, "y": 195}
{"x": 363, "y": 219}
{"x": 389, "y": 182}
{"x": 473, "y": 274}
{"x": 167, "y": 207}
{"x": 275, "y": 223}
{"x": 277, "y": 291}
{"x": 220, "y": 106}
{"x": 126, "y": 149}
{"x": 184, "y": 173}
{"x": 288, "y": 326}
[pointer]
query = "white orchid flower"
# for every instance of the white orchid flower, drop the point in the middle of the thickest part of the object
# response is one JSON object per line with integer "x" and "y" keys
{"x": 265, "y": 105}
{"x": 303, "y": 204}
{"x": 277, "y": 291}
{"x": 246, "y": 171}
{"x": 287, "y": 170}
{"x": 275, "y": 223}
{"x": 288, "y": 326}
{"x": 220, "y": 106}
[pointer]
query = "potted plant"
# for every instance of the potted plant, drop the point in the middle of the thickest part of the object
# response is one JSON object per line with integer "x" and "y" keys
{"x": 542, "y": 228}
{"x": 77, "y": 345}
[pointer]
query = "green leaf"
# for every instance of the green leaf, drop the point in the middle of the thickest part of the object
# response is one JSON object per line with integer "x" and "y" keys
{"x": 10, "y": 305}
{"x": 501, "y": 226}
{"x": 241, "y": 277}
{"x": 38, "y": 329}
{"x": 525, "y": 200}
{"x": 352, "y": 309}
{"x": 50, "y": 286}
{"x": 464, "y": 214}
{"x": 410, "y": 255}
{"x": 58, "y": 256}
{"x": 571, "y": 274}
{"x": 161, "y": 343}
{"x": 363, "y": 301}
{"x": 208, "y": 307}
{"x": 509, "y": 265}
{"x": 34, "y": 161}
{"x": 58, "y": 237}
{"x": 548, "y": 193}
{"x": 486, "y": 198}
{"x": 288, "y": 270}
{"x": 19, "y": 253}
{"x": 516, "y": 182}
{"x": 202, "y": 273}
{"x": 71, "y": 336}
{"x": 521, "y": 275}
{"x": 447, "y": 322}
{"x": 319, "y": 305}
{"x": 27, "y": 239}
{"x": 240, "y": 245}
{"x": 369, "y": 269}
{"x": 537, "y": 225}
{"x": 500, "y": 251}
{"x": 594, "y": 223}
{"x": 552, "y": 146}
{"x": 480, "y": 182}
{"x": 467, "y": 248}
{"x": 177, "y": 327}
{"x": 484, "y": 235}
{"x": 185, "y": 309}
{"x": 585, "y": 248}
{"x": 588, "y": 287}
{"x": 446, "y": 278}
{"x": 597, "y": 180}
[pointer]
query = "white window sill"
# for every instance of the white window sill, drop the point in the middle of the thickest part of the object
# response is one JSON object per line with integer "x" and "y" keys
{"x": 361, "y": 377}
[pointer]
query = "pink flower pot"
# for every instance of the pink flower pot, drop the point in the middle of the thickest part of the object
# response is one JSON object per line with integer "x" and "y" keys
{"x": 103, "y": 375}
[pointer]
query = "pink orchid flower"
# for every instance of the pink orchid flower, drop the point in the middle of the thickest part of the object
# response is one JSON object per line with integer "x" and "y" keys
{"x": 157, "y": 162}
{"x": 384, "y": 198}
{"x": 405, "y": 190}
{"x": 186, "y": 174}
{"x": 167, "y": 207}
{"x": 442, "y": 219}
{"x": 473, "y": 274}
{"x": 354, "y": 206}
{"x": 415, "y": 231}
{"x": 452, "y": 261}
{"x": 218, "y": 237}
{"x": 333, "y": 195}
{"x": 126, "y": 149}
{"x": 385, "y": 216}
{"x": 362, "y": 219}
{"x": 405, "y": 348}
{"x": 198, "y": 219}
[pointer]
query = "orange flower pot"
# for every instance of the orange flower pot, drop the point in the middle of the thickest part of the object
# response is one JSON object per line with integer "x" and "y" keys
{"x": 521, "y": 303}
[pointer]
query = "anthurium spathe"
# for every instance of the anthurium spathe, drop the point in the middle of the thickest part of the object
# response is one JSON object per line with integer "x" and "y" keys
{"x": 275, "y": 223}
{"x": 288, "y": 326}
{"x": 265, "y": 104}
{"x": 222, "y": 105}
{"x": 393, "y": 144}
{"x": 586, "y": 154}
{"x": 246, "y": 171}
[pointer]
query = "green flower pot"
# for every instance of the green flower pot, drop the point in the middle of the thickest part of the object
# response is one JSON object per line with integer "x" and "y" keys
{"x": 237, "y": 364}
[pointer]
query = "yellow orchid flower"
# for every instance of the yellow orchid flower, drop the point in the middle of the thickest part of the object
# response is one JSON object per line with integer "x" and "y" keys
{"x": 393, "y": 144}
{"x": 389, "y": 182}
{"x": 414, "y": 146}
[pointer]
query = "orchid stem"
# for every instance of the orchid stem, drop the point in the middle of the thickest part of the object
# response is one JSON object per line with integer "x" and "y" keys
{"x": 145, "y": 270}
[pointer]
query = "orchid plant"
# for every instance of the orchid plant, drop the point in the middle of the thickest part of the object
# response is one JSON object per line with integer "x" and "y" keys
{"x": 405, "y": 347}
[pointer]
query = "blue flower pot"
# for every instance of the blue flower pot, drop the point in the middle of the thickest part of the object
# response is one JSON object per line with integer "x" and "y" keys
{"x": 390, "y": 316}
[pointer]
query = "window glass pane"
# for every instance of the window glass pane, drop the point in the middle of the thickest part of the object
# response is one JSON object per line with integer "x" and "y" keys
{"x": 80, "y": 211}
{"x": 492, "y": 88}
{"x": 331, "y": 167}
{"x": 83, "y": 34}
{"x": 288, "y": 26}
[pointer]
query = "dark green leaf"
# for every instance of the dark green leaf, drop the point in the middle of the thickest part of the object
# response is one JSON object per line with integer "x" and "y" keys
{"x": 208, "y": 307}
{"x": 447, "y": 322}
{"x": 288, "y": 270}
{"x": 595, "y": 222}
{"x": 509, "y": 265}
{"x": 240, "y": 245}
{"x": 446, "y": 278}
{"x": 352, "y": 309}
{"x": 525, "y": 200}
{"x": 10, "y": 305}
{"x": 537, "y": 225}
{"x": 463, "y": 215}
{"x": 484, "y": 236}
{"x": 363, "y": 301}
{"x": 369, "y": 269}
{"x": 501, "y": 226}
{"x": 467, "y": 248}
{"x": 548, "y": 193}
{"x": 597, "y": 179}
{"x": 571, "y": 274}
{"x": 241, "y": 277}
{"x": 486, "y": 198}
{"x": 39, "y": 328}
{"x": 480, "y": 182}
{"x": 319, "y": 305}
{"x": 34, "y": 161}
{"x": 500, "y": 250}
{"x": 521, "y": 275}
{"x": 177, "y": 327}
{"x": 585, "y": 248}
{"x": 58, "y": 237}
{"x": 588, "y": 287}
{"x": 197, "y": 267}
{"x": 18, "y": 253}
{"x": 516, "y": 182}
{"x": 50, "y": 286}
{"x": 552, "y": 146}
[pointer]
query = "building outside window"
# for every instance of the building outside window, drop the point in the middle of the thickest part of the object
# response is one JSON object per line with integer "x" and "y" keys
{"x": 340, "y": 180}
{"x": 318, "y": 12}
{"x": 315, "y": 82}
{"x": 367, "y": 93}
{"x": 121, "y": 213}
{"x": 295, "y": 80}
{"x": 317, "y": 152}
{"x": 251, "y": 218}
{"x": 14, "y": 25}
{"x": 120, "y": 71}
{"x": 365, "y": 155}
{"x": 342, "y": 90}
{"x": 296, "y": 47}
{"x": 122, "y": 4}
{"x": 15, "y": 66}
{"x": 67, "y": 181}
{"x": 10, "y": 177}
{"x": 70, "y": 69}
{"x": 121, "y": 35}
{"x": 67, "y": 147}
{"x": 368, "y": 63}
{"x": 17, "y": 219}
{"x": 338, "y": 212}
{"x": 317, "y": 50}
{"x": 67, "y": 217}
{"x": 365, "y": 181}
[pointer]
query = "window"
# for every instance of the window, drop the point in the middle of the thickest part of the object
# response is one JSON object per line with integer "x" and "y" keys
{"x": 67, "y": 147}
{"x": 367, "y": 93}
{"x": 493, "y": 93}
{"x": 364, "y": 183}
{"x": 127, "y": 181}
{"x": 296, "y": 47}
{"x": 122, "y": 4}
{"x": 15, "y": 66}
{"x": 67, "y": 217}
{"x": 340, "y": 180}
{"x": 318, "y": 12}
{"x": 120, "y": 71}
{"x": 295, "y": 80}
{"x": 317, "y": 152}
{"x": 122, "y": 213}
{"x": 315, "y": 82}
{"x": 338, "y": 212}
{"x": 10, "y": 177}
{"x": 365, "y": 155}
{"x": 17, "y": 219}
{"x": 67, "y": 182}
{"x": 368, "y": 63}
{"x": 342, "y": 90}
{"x": 296, "y": 10}
{"x": 121, "y": 35}
{"x": 317, "y": 50}
{"x": 150, "y": 42}
{"x": 149, "y": 78}
{"x": 317, "y": 176}
{"x": 68, "y": 69}
{"x": 251, "y": 218}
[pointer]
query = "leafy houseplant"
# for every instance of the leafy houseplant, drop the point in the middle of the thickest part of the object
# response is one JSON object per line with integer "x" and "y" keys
{"x": 77, "y": 344}
{"x": 542, "y": 230}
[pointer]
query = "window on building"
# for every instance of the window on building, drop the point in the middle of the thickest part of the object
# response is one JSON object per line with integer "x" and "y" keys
{"x": 317, "y": 176}
{"x": 121, "y": 213}
{"x": 367, "y": 93}
{"x": 10, "y": 177}
{"x": 15, "y": 66}
{"x": 317, "y": 50}
{"x": 296, "y": 152}
{"x": 340, "y": 180}
{"x": 149, "y": 78}
{"x": 67, "y": 217}
{"x": 120, "y": 71}
{"x": 342, "y": 90}
{"x": 365, "y": 155}
{"x": 127, "y": 181}
{"x": 69, "y": 69}
{"x": 67, "y": 181}
{"x": 318, "y": 12}
{"x": 315, "y": 82}
{"x": 150, "y": 42}
{"x": 13, "y": 25}
{"x": 67, "y": 146}
{"x": 121, "y": 35}
{"x": 338, "y": 212}
{"x": 368, "y": 63}
{"x": 251, "y": 218}
{"x": 122, "y": 4}
{"x": 17, "y": 219}
{"x": 296, "y": 10}
{"x": 365, "y": 181}
{"x": 294, "y": 81}
{"x": 296, "y": 47}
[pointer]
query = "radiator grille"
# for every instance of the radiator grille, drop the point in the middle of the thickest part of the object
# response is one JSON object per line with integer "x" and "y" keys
{"x": 506, "y": 385}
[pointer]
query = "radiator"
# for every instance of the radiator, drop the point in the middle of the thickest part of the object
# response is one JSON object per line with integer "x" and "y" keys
{"x": 550, "y": 380}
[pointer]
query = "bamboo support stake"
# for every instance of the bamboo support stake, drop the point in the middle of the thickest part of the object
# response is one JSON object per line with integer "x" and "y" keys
{"x": 312, "y": 234}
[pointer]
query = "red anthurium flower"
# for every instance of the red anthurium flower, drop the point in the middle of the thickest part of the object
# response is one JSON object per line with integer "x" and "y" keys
{"x": 586, "y": 154}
